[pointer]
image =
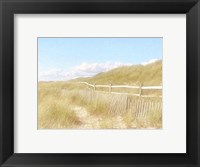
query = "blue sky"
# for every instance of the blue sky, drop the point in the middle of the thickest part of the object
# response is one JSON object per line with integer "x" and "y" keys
{"x": 68, "y": 58}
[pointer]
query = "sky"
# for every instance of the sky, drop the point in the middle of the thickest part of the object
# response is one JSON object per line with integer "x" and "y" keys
{"x": 68, "y": 58}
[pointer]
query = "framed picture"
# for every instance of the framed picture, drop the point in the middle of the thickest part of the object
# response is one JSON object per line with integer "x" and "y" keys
{"x": 99, "y": 88}
{"x": 99, "y": 83}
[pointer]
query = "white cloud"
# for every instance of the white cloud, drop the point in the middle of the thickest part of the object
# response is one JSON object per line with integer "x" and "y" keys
{"x": 83, "y": 70}
{"x": 149, "y": 62}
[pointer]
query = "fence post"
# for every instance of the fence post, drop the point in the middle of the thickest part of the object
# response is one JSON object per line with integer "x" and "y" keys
{"x": 94, "y": 87}
{"x": 127, "y": 103}
{"x": 110, "y": 88}
{"x": 140, "y": 90}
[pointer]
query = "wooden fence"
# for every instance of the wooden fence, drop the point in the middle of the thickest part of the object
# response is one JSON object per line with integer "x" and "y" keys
{"x": 121, "y": 104}
{"x": 139, "y": 87}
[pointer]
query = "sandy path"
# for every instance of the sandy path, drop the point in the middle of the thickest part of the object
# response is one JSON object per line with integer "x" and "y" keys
{"x": 92, "y": 122}
{"x": 118, "y": 123}
{"x": 88, "y": 121}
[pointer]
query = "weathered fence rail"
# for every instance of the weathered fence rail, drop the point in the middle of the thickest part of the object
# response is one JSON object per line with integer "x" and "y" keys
{"x": 140, "y": 88}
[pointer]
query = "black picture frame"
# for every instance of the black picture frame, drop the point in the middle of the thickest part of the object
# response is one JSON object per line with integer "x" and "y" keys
{"x": 10, "y": 7}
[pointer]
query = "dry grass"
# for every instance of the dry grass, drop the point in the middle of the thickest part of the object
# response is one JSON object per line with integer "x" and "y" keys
{"x": 155, "y": 118}
{"x": 114, "y": 111}
{"x": 129, "y": 120}
{"x": 54, "y": 110}
{"x": 57, "y": 101}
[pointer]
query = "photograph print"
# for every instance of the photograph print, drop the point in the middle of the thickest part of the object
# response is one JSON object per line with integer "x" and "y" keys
{"x": 99, "y": 83}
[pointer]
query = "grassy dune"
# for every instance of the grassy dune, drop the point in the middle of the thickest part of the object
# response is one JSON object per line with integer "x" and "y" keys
{"x": 70, "y": 105}
{"x": 150, "y": 74}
